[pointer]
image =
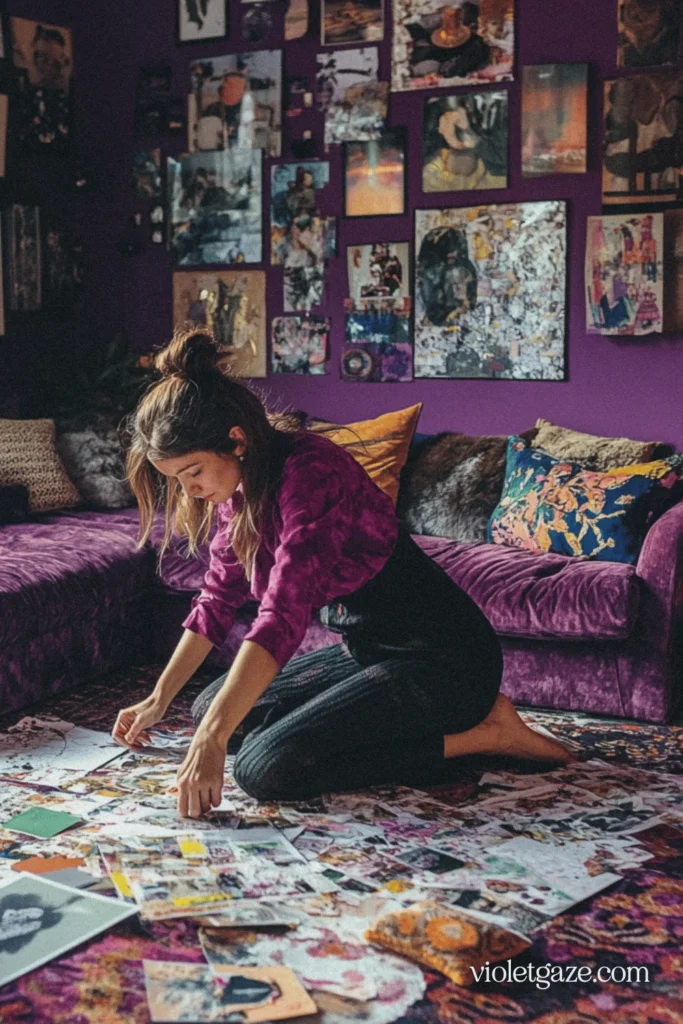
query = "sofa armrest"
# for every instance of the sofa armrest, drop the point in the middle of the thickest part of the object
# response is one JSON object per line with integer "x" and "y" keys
{"x": 659, "y": 633}
{"x": 660, "y": 563}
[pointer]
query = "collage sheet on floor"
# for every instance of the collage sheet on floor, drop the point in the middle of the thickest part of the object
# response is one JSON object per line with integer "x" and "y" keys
{"x": 329, "y": 892}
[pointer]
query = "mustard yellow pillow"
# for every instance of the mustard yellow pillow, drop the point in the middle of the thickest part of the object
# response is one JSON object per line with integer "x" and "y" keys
{"x": 380, "y": 445}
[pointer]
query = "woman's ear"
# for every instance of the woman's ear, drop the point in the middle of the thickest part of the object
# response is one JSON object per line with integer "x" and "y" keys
{"x": 238, "y": 435}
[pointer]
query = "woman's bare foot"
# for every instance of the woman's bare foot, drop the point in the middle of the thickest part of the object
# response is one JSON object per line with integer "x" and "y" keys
{"x": 504, "y": 732}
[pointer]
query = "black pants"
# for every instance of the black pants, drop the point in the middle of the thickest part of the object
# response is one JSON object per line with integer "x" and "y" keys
{"x": 419, "y": 660}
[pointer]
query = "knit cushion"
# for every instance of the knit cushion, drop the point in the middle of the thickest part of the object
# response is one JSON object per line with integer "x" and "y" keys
{"x": 28, "y": 456}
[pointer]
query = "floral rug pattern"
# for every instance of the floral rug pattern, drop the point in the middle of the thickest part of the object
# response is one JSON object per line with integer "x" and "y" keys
{"x": 639, "y": 921}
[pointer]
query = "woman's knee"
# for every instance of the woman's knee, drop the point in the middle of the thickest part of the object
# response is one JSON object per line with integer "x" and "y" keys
{"x": 202, "y": 703}
{"x": 269, "y": 771}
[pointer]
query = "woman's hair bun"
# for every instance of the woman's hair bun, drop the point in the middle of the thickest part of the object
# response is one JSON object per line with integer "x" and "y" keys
{"x": 192, "y": 353}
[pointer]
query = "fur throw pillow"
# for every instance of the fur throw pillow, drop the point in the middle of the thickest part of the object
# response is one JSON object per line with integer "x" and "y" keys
{"x": 451, "y": 484}
{"x": 95, "y": 461}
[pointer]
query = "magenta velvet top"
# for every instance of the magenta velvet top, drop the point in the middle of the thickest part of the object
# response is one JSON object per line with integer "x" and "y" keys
{"x": 329, "y": 530}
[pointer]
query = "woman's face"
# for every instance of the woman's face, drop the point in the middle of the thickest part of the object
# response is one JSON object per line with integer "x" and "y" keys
{"x": 210, "y": 476}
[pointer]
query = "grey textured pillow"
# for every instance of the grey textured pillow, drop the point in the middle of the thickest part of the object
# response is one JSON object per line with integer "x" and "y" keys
{"x": 95, "y": 462}
{"x": 451, "y": 484}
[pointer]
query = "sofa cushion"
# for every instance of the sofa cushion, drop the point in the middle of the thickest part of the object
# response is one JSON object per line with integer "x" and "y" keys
{"x": 542, "y": 597}
{"x": 29, "y": 457}
{"x": 54, "y": 568}
{"x": 592, "y": 451}
{"x": 451, "y": 484}
{"x": 550, "y": 505}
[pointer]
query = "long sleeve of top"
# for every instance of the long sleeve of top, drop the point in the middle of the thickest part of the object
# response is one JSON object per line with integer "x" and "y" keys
{"x": 328, "y": 531}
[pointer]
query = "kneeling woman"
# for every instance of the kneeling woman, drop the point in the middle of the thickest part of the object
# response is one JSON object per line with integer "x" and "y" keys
{"x": 303, "y": 529}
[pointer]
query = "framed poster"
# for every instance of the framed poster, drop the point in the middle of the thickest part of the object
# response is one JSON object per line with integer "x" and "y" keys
{"x": 490, "y": 284}
{"x": 465, "y": 142}
{"x": 375, "y": 175}
{"x": 201, "y": 20}
{"x": 554, "y": 119}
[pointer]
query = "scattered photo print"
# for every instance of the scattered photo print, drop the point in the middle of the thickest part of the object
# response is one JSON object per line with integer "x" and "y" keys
{"x": 293, "y": 203}
{"x": 195, "y": 992}
{"x": 649, "y": 33}
{"x": 44, "y": 55}
{"x": 352, "y": 21}
{"x": 200, "y": 20}
{"x": 465, "y": 142}
{"x": 490, "y": 291}
{"x": 299, "y": 344}
{"x": 435, "y": 46}
{"x": 673, "y": 271}
{"x": 377, "y": 342}
{"x": 296, "y": 20}
{"x": 422, "y": 858}
{"x": 23, "y": 245}
{"x": 624, "y": 274}
{"x": 147, "y": 173}
{"x": 215, "y": 207}
{"x": 554, "y": 127}
{"x": 353, "y": 101}
{"x": 378, "y": 270}
{"x": 232, "y": 306}
{"x": 236, "y": 100}
{"x": 63, "y": 270}
{"x": 40, "y": 920}
{"x": 643, "y": 153}
{"x": 375, "y": 175}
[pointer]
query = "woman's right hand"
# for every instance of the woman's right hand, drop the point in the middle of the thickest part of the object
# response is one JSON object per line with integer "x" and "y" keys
{"x": 132, "y": 723}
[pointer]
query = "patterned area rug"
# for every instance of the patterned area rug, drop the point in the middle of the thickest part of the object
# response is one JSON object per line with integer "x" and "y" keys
{"x": 637, "y": 922}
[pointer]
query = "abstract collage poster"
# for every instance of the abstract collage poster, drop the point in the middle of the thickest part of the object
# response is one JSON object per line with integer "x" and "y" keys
{"x": 490, "y": 291}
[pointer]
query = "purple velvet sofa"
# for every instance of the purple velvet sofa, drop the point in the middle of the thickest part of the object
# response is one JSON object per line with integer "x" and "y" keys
{"x": 77, "y": 599}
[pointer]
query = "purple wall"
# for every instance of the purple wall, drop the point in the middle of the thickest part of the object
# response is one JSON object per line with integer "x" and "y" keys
{"x": 613, "y": 387}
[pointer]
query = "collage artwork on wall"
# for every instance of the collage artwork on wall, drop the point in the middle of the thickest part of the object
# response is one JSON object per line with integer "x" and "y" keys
{"x": 473, "y": 288}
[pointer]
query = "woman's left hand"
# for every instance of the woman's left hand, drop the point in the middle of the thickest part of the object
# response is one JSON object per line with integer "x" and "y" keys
{"x": 200, "y": 776}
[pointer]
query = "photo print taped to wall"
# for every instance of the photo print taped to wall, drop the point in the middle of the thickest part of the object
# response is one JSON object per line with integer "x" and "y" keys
{"x": 354, "y": 102}
{"x": 465, "y": 142}
{"x": 232, "y": 306}
{"x": 43, "y": 55}
{"x": 236, "y": 101}
{"x": 215, "y": 205}
{"x": 435, "y": 46}
{"x": 643, "y": 151}
{"x": 554, "y": 119}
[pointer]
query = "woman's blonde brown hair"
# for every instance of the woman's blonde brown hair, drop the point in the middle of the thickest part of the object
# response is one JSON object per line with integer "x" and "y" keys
{"x": 191, "y": 408}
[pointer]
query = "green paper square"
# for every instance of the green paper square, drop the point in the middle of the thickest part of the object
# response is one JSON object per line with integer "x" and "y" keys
{"x": 41, "y": 822}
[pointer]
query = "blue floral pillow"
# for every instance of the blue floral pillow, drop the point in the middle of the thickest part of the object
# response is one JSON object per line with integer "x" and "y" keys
{"x": 551, "y": 505}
